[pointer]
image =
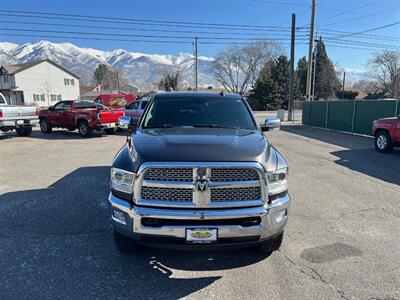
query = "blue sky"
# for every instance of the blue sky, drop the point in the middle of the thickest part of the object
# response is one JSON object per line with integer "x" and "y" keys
{"x": 340, "y": 15}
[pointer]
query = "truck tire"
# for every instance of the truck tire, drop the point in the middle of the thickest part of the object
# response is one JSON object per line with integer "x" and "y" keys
{"x": 110, "y": 130}
{"x": 24, "y": 131}
{"x": 84, "y": 129}
{"x": 124, "y": 244}
{"x": 271, "y": 245}
{"x": 383, "y": 142}
{"x": 45, "y": 127}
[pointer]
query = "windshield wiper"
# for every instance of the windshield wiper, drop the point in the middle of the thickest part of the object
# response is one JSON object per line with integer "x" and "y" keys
{"x": 213, "y": 126}
{"x": 162, "y": 126}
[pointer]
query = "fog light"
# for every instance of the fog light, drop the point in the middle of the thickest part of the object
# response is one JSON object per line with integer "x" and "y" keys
{"x": 280, "y": 215}
{"x": 118, "y": 216}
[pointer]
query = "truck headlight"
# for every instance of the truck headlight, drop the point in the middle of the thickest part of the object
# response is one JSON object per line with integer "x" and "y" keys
{"x": 277, "y": 181}
{"x": 122, "y": 181}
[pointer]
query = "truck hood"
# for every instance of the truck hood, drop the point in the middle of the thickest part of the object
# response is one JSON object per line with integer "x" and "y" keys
{"x": 205, "y": 145}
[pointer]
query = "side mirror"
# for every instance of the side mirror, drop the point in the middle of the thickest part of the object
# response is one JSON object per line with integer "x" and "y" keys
{"x": 128, "y": 123}
{"x": 270, "y": 124}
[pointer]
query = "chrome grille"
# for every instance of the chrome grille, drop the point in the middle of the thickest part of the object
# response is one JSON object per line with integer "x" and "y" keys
{"x": 235, "y": 194}
{"x": 167, "y": 194}
{"x": 169, "y": 174}
{"x": 233, "y": 174}
{"x": 175, "y": 184}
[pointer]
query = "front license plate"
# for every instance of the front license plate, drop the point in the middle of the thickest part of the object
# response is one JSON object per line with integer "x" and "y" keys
{"x": 20, "y": 122}
{"x": 201, "y": 235}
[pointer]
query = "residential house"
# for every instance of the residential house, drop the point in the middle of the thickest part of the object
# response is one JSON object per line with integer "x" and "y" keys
{"x": 41, "y": 82}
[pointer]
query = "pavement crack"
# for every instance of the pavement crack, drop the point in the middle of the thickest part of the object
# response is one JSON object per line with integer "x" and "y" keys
{"x": 314, "y": 274}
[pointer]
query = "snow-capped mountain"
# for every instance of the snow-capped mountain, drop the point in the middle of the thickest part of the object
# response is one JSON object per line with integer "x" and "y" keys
{"x": 144, "y": 70}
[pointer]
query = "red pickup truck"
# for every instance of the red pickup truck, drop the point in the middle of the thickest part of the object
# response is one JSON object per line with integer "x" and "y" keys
{"x": 82, "y": 115}
{"x": 387, "y": 134}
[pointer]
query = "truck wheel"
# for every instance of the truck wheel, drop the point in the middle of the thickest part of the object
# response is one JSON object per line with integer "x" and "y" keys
{"x": 124, "y": 244}
{"x": 45, "y": 127}
{"x": 24, "y": 131}
{"x": 110, "y": 130}
{"x": 383, "y": 142}
{"x": 84, "y": 129}
{"x": 271, "y": 245}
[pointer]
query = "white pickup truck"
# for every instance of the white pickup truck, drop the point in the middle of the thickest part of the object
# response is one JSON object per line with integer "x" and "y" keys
{"x": 20, "y": 118}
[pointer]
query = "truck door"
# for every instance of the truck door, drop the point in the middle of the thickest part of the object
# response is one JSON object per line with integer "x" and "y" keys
{"x": 54, "y": 114}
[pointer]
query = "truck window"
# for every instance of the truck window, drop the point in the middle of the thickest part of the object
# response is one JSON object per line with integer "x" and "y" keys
{"x": 199, "y": 112}
{"x": 2, "y": 100}
{"x": 85, "y": 104}
{"x": 144, "y": 104}
{"x": 98, "y": 100}
{"x": 133, "y": 105}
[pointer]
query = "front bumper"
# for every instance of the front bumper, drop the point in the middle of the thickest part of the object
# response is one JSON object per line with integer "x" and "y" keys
{"x": 273, "y": 220}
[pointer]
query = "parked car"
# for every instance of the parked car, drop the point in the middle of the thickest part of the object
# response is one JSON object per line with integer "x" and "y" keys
{"x": 20, "y": 118}
{"x": 136, "y": 109}
{"x": 387, "y": 134}
{"x": 115, "y": 101}
{"x": 198, "y": 173}
{"x": 85, "y": 116}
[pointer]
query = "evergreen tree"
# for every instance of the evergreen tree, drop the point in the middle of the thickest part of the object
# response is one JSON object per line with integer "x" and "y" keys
{"x": 100, "y": 75}
{"x": 301, "y": 72}
{"x": 271, "y": 90}
{"x": 326, "y": 81}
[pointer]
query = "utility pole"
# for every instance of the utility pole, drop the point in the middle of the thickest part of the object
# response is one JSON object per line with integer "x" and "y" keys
{"x": 344, "y": 81}
{"x": 291, "y": 82}
{"x": 310, "y": 50}
{"x": 196, "y": 64}
{"x": 315, "y": 70}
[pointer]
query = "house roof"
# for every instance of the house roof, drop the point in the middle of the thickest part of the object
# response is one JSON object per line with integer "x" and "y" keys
{"x": 13, "y": 69}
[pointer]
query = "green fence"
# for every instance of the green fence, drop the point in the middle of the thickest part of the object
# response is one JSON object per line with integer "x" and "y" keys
{"x": 350, "y": 116}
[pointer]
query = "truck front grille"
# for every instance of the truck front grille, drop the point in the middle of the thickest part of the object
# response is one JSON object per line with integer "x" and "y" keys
{"x": 182, "y": 184}
{"x": 235, "y": 194}
{"x": 169, "y": 174}
{"x": 167, "y": 194}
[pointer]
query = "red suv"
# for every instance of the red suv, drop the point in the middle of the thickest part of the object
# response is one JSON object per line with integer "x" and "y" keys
{"x": 82, "y": 115}
{"x": 387, "y": 134}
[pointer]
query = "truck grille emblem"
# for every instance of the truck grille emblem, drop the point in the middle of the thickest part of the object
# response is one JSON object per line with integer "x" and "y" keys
{"x": 201, "y": 185}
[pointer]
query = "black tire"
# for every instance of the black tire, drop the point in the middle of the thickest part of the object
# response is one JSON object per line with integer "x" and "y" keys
{"x": 271, "y": 245}
{"x": 110, "y": 131}
{"x": 124, "y": 244}
{"x": 84, "y": 129}
{"x": 24, "y": 131}
{"x": 383, "y": 142}
{"x": 45, "y": 127}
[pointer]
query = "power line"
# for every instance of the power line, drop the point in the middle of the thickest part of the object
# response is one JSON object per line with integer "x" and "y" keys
{"x": 137, "y": 20}
{"x": 369, "y": 30}
{"x": 351, "y": 10}
{"x": 140, "y": 35}
{"x": 138, "y": 29}
{"x": 128, "y": 40}
{"x": 360, "y": 17}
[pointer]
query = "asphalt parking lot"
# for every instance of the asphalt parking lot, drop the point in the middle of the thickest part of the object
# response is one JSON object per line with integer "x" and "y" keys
{"x": 342, "y": 240}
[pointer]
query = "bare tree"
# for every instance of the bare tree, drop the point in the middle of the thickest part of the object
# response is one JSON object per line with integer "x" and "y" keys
{"x": 171, "y": 78}
{"x": 237, "y": 68}
{"x": 47, "y": 89}
{"x": 385, "y": 68}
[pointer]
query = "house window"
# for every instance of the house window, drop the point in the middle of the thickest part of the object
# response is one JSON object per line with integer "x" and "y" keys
{"x": 59, "y": 97}
{"x": 68, "y": 81}
{"x": 37, "y": 97}
{"x": 53, "y": 97}
{"x": 5, "y": 78}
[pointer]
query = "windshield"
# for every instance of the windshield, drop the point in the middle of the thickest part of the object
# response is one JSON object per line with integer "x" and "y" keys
{"x": 218, "y": 112}
{"x": 2, "y": 100}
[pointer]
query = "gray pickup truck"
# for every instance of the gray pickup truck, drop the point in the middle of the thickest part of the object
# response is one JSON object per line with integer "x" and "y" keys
{"x": 20, "y": 118}
{"x": 198, "y": 172}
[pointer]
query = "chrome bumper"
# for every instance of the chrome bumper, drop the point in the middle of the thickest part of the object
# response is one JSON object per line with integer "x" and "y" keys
{"x": 272, "y": 221}
{"x": 13, "y": 123}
